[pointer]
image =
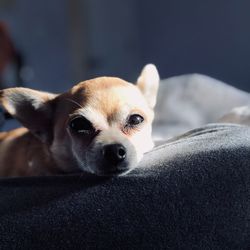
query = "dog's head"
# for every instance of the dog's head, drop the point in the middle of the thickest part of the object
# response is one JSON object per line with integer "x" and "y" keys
{"x": 102, "y": 126}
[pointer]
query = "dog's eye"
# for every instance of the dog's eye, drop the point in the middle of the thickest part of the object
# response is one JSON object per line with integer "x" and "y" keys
{"x": 134, "y": 120}
{"x": 80, "y": 124}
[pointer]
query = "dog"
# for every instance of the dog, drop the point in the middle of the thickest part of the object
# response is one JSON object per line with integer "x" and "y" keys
{"x": 100, "y": 126}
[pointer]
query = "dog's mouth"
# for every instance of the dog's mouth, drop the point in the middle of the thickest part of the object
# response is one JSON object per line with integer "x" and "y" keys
{"x": 112, "y": 159}
{"x": 113, "y": 172}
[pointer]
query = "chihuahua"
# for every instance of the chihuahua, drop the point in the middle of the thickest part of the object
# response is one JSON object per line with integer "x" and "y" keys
{"x": 100, "y": 126}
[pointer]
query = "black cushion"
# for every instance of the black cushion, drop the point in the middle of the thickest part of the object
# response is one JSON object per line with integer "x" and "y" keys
{"x": 193, "y": 192}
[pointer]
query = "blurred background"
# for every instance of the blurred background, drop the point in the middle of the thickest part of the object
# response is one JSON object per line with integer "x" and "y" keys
{"x": 51, "y": 45}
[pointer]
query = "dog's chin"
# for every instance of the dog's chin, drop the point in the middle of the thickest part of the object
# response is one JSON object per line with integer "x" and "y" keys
{"x": 104, "y": 170}
{"x": 107, "y": 169}
{"x": 115, "y": 172}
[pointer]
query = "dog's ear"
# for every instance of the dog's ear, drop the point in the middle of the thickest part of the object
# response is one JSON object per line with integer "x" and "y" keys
{"x": 148, "y": 83}
{"x": 34, "y": 109}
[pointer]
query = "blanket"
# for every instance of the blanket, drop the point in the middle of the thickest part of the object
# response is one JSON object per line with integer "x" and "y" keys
{"x": 192, "y": 192}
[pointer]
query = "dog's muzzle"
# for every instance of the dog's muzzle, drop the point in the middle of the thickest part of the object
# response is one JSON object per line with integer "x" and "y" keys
{"x": 114, "y": 153}
{"x": 114, "y": 159}
{"x": 111, "y": 156}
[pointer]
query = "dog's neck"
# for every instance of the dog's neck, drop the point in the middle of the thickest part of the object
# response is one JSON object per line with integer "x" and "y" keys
{"x": 22, "y": 154}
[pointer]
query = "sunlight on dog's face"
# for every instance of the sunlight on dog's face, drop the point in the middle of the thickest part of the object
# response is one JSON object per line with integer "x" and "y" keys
{"x": 102, "y": 126}
{"x": 108, "y": 127}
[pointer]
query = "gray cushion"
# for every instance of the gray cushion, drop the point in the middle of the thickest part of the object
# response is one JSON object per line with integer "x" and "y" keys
{"x": 193, "y": 192}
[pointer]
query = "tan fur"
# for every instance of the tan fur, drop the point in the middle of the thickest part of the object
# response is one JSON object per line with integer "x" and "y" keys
{"x": 22, "y": 154}
{"x": 48, "y": 147}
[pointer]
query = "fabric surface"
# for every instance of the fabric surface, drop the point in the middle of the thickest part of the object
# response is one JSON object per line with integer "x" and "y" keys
{"x": 189, "y": 101}
{"x": 239, "y": 115}
{"x": 192, "y": 192}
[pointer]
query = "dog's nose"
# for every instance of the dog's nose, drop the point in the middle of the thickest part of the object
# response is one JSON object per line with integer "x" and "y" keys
{"x": 114, "y": 153}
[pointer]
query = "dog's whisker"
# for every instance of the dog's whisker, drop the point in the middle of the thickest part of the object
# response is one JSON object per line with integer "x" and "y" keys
{"x": 78, "y": 104}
